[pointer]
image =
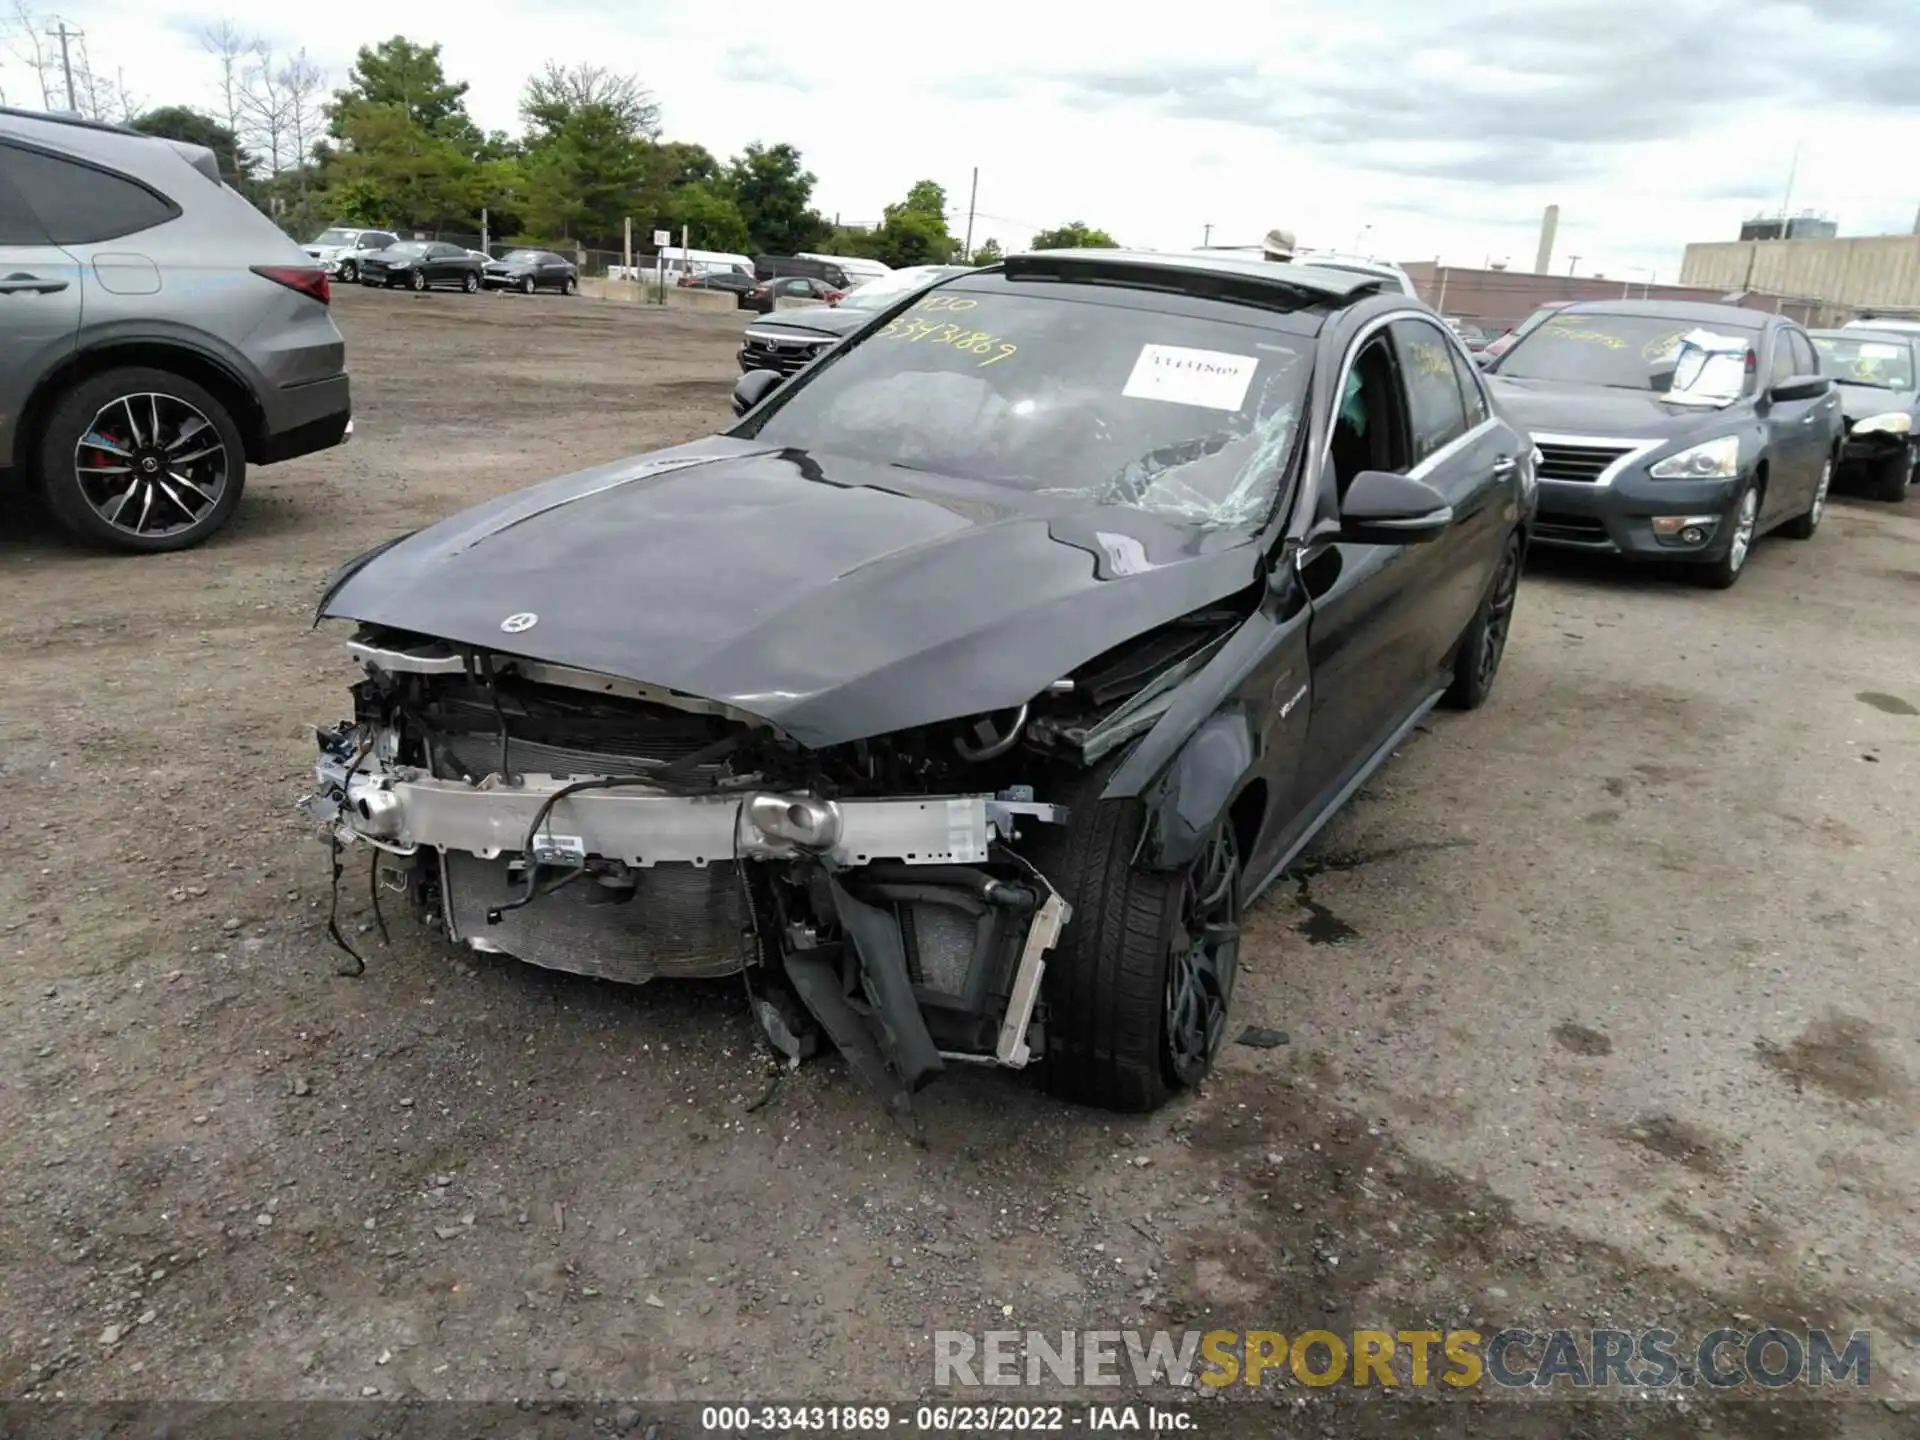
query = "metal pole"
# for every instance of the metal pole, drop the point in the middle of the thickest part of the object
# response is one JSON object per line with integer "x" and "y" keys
{"x": 626, "y": 252}
{"x": 1440, "y": 304}
{"x": 973, "y": 194}
{"x": 484, "y": 232}
{"x": 66, "y": 61}
{"x": 1206, "y": 234}
{"x": 1572, "y": 260}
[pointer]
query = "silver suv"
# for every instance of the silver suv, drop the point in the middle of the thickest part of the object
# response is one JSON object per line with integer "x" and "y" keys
{"x": 157, "y": 334}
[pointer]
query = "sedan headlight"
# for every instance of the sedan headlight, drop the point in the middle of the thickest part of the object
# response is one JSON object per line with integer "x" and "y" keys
{"x": 1894, "y": 422}
{"x": 1709, "y": 460}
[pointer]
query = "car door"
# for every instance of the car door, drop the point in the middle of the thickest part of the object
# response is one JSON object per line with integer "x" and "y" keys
{"x": 1472, "y": 459}
{"x": 1793, "y": 442}
{"x": 1828, "y": 427}
{"x": 1367, "y": 641}
{"x": 40, "y": 305}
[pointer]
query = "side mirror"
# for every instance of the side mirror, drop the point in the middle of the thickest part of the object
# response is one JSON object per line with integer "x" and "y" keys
{"x": 753, "y": 387}
{"x": 1800, "y": 387}
{"x": 1382, "y": 508}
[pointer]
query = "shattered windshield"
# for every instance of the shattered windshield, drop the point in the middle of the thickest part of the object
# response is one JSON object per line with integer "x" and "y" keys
{"x": 1185, "y": 417}
{"x": 1858, "y": 360}
{"x": 1626, "y": 352}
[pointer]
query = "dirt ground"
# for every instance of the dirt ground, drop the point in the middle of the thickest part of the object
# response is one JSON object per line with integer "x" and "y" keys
{"x": 1600, "y": 1002}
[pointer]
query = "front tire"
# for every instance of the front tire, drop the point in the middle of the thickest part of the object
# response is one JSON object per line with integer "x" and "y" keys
{"x": 527, "y": 286}
{"x": 569, "y": 286}
{"x": 1723, "y": 573}
{"x": 349, "y": 272}
{"x": 1140, "y": 985}
{"x": 1478, "y": 659}
{"x": 470, "y": 283}
{"x": 1893, "y": 476}
{"x": 418, "y": 282}
{"x": 1802, "y": 526}
{"x": 140, "y": 460}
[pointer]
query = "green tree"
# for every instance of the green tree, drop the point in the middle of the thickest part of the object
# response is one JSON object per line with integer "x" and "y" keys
{"x": 711, "y": 219}
{"x": 190, "y": 127}
{"x": 587, "y": 158}
{"x": 987, "y": 252}
{"x": 773, "y": 193}
{"x": 388, "y": 170}
{"x": 399, "y": 74}
{"x": 679, "y": 162}
{"x": 914, "y": 232}
{"x": 1073, "y": 236}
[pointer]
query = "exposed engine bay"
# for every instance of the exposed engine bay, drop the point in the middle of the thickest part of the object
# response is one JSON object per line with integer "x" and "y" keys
{"x": 887, "y": 893}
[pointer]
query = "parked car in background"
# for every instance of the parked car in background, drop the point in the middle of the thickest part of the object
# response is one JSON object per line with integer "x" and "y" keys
{"x": 1019, "y": 654}
{"x": 854, "y": 269}
{"x": 773, "y": 267}
{"x": 788, "y": 339}
{"x": 1672, "y": 430}
{"x": 423, "y": 265}
{"x": 1500, "y": 344}
{"x": 158, "y": 335}
{"x": 1471, "y": 335}
{"x": 341, "y": 249}
{"x": 531, "y": 270}
{"x": 793, "y": 287}
{"x": 1878, "y": 372}
{"x": 1868, "y": 322}
{"x": 740, "y": 283}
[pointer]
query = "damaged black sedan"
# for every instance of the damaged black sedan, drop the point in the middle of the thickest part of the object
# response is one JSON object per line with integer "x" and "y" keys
{"x": 962, "y": 695}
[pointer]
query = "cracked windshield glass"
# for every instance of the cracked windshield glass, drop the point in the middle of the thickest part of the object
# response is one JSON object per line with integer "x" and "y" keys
{"x": 1184, "y": 417}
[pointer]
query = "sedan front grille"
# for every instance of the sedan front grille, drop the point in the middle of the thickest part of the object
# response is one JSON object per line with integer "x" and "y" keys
{"x": 786, "y": 356}
{"x": 1584, "y": 463}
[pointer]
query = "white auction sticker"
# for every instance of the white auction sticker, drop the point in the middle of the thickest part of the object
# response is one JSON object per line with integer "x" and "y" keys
{"x": 1214, "y": 379}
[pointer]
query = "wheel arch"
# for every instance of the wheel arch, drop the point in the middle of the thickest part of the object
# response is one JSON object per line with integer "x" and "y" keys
{"x": 177, "y": 357}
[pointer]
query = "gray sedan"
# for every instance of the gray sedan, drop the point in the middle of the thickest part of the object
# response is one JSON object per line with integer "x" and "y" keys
{"x": 1878, "y": 372}
{"x": 531, "y": 270}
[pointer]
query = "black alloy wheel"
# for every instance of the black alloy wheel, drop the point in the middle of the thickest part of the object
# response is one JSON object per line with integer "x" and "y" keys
{"x": 1477, "y": 662}
{"x": 1203, "y": 958}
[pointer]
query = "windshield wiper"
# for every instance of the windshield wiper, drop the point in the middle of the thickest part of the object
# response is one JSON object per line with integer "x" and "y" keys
{"x": 1863, "y": 384}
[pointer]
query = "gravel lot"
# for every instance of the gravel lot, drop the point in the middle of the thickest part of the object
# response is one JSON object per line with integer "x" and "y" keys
{"x": 1601, "y": 1004}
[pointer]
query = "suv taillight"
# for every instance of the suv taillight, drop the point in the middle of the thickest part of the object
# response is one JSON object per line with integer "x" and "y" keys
{"x": 307, "y": 279}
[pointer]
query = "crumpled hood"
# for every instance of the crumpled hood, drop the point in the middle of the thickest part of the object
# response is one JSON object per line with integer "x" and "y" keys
{"x": 1550, "y": 407}
{"x": 1857, "y": 402}
{"x": 786, "y": 585}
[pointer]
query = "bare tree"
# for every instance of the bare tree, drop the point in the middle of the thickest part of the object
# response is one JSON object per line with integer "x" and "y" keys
{"x": 24, "y": 42}
{"x": 304, "y": 84}
{"x": 230, "y": 48}
{"x": 562, "y": 90}
{"x": 263, "y": 104}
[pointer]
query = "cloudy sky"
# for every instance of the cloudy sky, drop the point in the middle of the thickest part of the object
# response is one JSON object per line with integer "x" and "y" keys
{"x": 1415, "y": 129}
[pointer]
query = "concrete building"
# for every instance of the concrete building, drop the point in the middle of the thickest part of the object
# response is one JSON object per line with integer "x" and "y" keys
{"x": 1496, "y": 299}
{"x": 1847, "y": 274}
{"x": 1807, "y": 225}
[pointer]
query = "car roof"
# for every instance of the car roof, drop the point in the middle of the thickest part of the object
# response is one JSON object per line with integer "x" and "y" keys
{"x": 1270, "y": 284}
{"x": 1698, "y": 310}
{"x": 146, "y": 157}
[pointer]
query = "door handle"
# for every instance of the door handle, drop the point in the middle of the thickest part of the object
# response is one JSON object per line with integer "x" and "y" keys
{"x": 1505, "y": 466}
{"x": 31, "y": 285}
{"x": 1810, "y": 419}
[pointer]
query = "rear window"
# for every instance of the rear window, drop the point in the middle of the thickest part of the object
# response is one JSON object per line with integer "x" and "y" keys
{"x": 79, "y": 205}
{"x": 1186, "y": 417}
{"x": 1627, "y": 352}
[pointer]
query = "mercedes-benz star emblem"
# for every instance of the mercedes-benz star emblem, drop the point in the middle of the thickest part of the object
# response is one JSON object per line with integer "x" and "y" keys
{"x": 514, "y": 624}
